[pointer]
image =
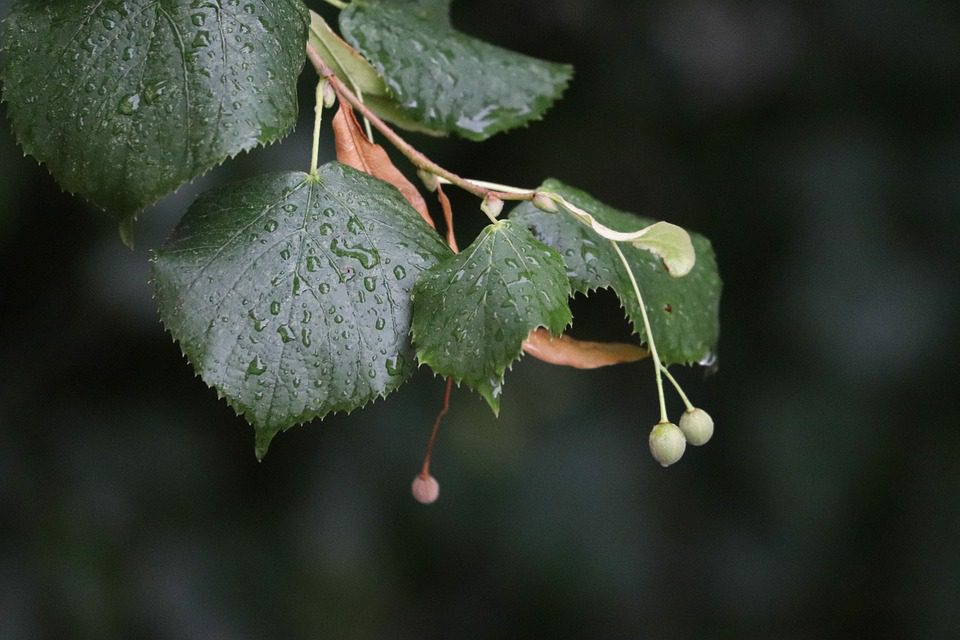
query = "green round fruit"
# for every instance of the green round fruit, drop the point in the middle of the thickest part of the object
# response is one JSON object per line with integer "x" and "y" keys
{"x": 667, "y": 443}
{"x": 697, "y": 426}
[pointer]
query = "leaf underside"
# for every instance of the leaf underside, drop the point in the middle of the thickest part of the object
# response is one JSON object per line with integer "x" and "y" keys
{"x": 473, "y": 311}
{"x": 445, "y": 79}
{"x": 684, "y": 312}
{"x": 291, "y": 295}
{"x": 126, "y": 101}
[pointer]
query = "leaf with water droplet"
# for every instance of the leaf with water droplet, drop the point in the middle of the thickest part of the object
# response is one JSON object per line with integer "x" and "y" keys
{"x": 684, "y": 312}
{"x": 472, "y": 312}
{"x": 326, "y": 330}
{"x": 445, "y": 79}
{"x": 353, "y": 69}
{"x": 126, "y": 101}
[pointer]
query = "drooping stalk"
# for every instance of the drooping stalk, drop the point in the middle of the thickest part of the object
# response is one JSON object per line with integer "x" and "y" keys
{"x": 646, "y": 326}
{"x": 676, "y": 385}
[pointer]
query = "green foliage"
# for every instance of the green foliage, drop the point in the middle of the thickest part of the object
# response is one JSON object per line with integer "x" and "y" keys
{"x": 684, "y": 312}
{"x": 444, "y": 79}
{"x": 353, "y": 69}
{"x": 291, "y": 294}
{"x": 297, "y": 295}
{"x": 473, "y": 310}
{"x": 126, "y": 101}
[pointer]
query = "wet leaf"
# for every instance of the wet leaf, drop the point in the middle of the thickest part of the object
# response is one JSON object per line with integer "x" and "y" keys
{"x": 126, "y": 101}
{"x": 445, "y": 79}
{"x": 359, "y": 75}
{"x": 291, "y": 295}
{"x": 473, "y": 311}
{"x": 684, "y": 311}
{"x": 355, "y": 150}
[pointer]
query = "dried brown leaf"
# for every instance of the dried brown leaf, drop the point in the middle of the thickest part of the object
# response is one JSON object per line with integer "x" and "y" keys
{"x": 355, "y": 150}
{"x": 580, "y": 354}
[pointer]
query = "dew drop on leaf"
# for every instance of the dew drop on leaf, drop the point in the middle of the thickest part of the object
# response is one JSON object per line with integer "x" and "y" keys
{"x": 256, "y": 367}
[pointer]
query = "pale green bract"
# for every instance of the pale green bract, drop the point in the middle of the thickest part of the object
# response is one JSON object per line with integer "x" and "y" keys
{"x": 124, "y": 101}
{"x": 291, "y": 295}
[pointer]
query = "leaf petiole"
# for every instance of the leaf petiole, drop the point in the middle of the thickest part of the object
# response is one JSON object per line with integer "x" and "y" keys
{"x": 318, "y": 118}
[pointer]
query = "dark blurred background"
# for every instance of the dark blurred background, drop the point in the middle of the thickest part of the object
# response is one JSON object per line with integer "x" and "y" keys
{"x": 816, "y": 143}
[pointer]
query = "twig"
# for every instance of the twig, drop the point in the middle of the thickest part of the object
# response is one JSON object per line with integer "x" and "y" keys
{"x": 418, "y": 160}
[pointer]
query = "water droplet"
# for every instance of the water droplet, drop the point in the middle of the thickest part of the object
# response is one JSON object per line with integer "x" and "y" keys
{"x": 313, "y": 263}
{"x": 394, "y": 367}
{"x": 338, "y": 319}
{"x": 284, "y": 332}
{"x": 198, "y": 19}
{"x": 324, "y": 229}
{"x": 201, "y": 40}
{"x": 324, "y": 288}
{"x": 366, "y": 256}
{"x": 370, "y": 283}
{"x": 285, "y": 254}
{"x": 129, "y": 104}
{"x": 380, "y": 324}
{"x": 275, "y": 308}
{"x": 256, "y": 367}
{"x": 258, "y": 323}
{"x": 271, "y": 225}
{"x": 328, "y": 212}
{"x": 289, "y": 208}
{"x": 354, "y": 225}
{"x": 305, "y": 337}
{"x": 399, "y": 272}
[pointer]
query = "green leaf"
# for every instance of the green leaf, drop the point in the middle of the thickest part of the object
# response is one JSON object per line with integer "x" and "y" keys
{"x": 125, "y": 101}
{"x": 291, "y": 294}
{"x": 363, "y": 79}
{"x": 684, "y": 311}
{"x": 472, "y": 311}
{"x": 444, "y": 79}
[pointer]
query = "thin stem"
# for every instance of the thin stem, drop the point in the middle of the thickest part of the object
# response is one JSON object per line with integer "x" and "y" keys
{"x": 339, "y": 4}
{"x": 447, "y": 218}
{"x": 493, "y": 186}
{"x": 418, "y": 160}
{"x": 646, "y": 326}
{"x": 318, "y": 110}
{"x": 425, "y": 469}
{"x": 676, "y": 385}
{"x": 366, "y": 121}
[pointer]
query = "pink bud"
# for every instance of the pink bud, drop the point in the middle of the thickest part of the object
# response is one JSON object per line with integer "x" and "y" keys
{"x": 425, "y": 489}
